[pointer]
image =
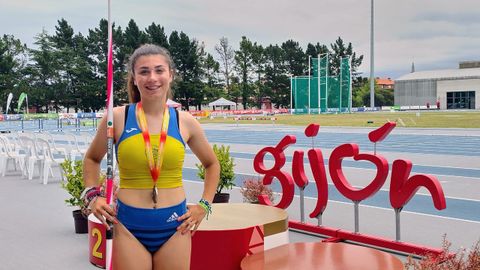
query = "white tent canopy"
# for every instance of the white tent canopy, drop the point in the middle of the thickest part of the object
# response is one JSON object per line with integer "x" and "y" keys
{"x": 222, "y": 102}
{"x": 174, "y": 104}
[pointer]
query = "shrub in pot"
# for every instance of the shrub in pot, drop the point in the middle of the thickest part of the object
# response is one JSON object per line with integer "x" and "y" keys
{"x": 73, "y": 184}
{"x": 227, "y": 175}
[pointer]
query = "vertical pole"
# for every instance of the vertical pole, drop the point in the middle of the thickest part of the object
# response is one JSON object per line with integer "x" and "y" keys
{"x": 309, "y": 57}
{"x": 372, "y": 71}
{"x": 341, "y": 86}
{"x": 318, "y": 84}
{"x": 350, "y": 85}
{"x": 357, "y": 223}
{"x": 326, "y": 83}
{"x": 397, "y": 224}
{"x": 291, "y": 94}
{"x": 296, "y": 96}
{"x": 302, "y": 205}
{"x": 110, "y": 143}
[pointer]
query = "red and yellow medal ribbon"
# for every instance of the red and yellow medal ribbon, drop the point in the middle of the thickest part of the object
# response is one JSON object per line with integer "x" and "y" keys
{"x": 154, "y": 165}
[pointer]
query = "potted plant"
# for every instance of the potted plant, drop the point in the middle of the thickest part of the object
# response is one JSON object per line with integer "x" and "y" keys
{"x": 227, "y": 175}
{"x": 252, "y": 188}
{"x": 73, "y": 184}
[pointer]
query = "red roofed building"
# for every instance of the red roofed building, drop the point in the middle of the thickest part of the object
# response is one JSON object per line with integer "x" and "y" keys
{"x": 384, "y": 83}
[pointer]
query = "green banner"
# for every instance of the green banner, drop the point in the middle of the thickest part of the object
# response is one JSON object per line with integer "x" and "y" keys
{"x": 41, "y": 116}
{"x": 20, "y": 101}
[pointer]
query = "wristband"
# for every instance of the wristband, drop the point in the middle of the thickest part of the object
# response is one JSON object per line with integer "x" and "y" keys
{"x": 206, "y": 206}
{"x": 91, "y": 194}
{"x": 85, "y": 191}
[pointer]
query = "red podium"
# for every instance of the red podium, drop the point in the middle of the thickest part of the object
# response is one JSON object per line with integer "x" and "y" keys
{"x": 236, "y": 230}
{"x": 96, "y": 241}
{"x": 233, "y": 231}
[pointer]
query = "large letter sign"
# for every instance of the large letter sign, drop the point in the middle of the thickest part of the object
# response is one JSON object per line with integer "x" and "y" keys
{"x": 341, "y": 183}
{"x": 315, "y": 158}
{"x": 275, "y": 172}
{"x": 402, "y": 186}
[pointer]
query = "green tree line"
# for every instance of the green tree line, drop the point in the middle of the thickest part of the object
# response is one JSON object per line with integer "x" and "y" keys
{"x": 68, "y": 69}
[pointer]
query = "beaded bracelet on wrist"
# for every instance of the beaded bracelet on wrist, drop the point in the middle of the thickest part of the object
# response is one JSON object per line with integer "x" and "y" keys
{"x": 90, "y": 195}
{"x": 206, "y": 206}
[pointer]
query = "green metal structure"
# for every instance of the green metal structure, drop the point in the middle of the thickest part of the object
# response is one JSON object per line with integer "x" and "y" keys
{"x": 322, "y": 93}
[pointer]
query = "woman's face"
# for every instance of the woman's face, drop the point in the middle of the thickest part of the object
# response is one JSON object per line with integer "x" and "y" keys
{"x": 152, "y": 76}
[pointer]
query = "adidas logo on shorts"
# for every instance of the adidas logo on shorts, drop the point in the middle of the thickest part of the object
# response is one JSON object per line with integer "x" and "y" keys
{"x": 173, "y": 217}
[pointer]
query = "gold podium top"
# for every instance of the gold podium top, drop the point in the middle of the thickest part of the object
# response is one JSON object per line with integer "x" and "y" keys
{"x": 232, "y": 216}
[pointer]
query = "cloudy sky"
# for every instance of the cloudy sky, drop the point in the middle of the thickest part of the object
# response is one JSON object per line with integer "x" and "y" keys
{"x": 435, "y": 34}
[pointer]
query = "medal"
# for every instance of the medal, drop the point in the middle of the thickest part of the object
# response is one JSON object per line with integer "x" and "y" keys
{"x": 155, "y": 166}
{"x": 154, "y": 196}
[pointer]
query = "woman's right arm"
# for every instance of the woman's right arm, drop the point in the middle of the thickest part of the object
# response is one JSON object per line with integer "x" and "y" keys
{"x": 92, "y": 161}
{"x": 98, "y": 147}
{"x": 94, "y": 155}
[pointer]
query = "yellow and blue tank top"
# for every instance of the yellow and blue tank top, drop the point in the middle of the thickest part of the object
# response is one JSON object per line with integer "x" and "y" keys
{"x": 132, "y": 159}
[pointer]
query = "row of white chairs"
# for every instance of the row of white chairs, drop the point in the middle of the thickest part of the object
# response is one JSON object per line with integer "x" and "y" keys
{"x": 42, "y": 150}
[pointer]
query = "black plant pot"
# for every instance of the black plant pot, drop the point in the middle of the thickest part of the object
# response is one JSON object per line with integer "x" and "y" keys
{"x": 81, "y": 222}
{"x": 221, "y": 198}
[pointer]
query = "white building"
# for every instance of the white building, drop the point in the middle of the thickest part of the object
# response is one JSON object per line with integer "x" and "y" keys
{"x": 453, "y": 88}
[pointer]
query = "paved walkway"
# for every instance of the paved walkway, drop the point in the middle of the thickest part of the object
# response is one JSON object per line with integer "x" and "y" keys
{"x": 37, "y": 232}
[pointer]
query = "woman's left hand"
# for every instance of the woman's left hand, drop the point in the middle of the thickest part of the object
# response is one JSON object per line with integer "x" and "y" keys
{"x": 191, "y": 219}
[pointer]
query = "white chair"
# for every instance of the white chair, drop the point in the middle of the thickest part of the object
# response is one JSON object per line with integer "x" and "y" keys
{"x": 75, "y": 149}
{"x": 7, "y": 153}
{"x": 32, "y": 157}
{"x": 45, "y": 153}
{"x": 55, "y": 149}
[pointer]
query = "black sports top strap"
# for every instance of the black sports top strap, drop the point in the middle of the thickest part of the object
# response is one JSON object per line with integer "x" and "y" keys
{"x": 178, "y": 120}
{"x": 126, "y": 114}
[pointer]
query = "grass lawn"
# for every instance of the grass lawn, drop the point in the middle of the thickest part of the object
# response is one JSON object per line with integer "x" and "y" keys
{"x": 422, "y": 119}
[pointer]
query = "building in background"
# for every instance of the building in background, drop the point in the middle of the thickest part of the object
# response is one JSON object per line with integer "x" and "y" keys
{"x": 384, "y": 83}
{"x": 450, "y": 88}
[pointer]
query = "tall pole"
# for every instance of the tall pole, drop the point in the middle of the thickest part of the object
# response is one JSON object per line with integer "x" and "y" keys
{"x": 350, "y": 84}
{"x": 309, "y": 84}
{"x": 326, "y": 83}
{"x": 291, "y": 94}
{"x": 341, "y": 86}
{"x": 319, "y": 69}
{"x": 110, "y": 142}
{"x": 372, "y": 71}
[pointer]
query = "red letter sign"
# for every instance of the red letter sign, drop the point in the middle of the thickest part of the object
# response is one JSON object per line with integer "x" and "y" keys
{"x": 402, "y": 188}
{"x": 343, "y": 186}
{"x": 284, "y": 178}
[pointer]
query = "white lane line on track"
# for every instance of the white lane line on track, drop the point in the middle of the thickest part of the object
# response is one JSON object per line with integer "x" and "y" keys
{"x": 382, "y": 189}
{"x": 375, "y": 207}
